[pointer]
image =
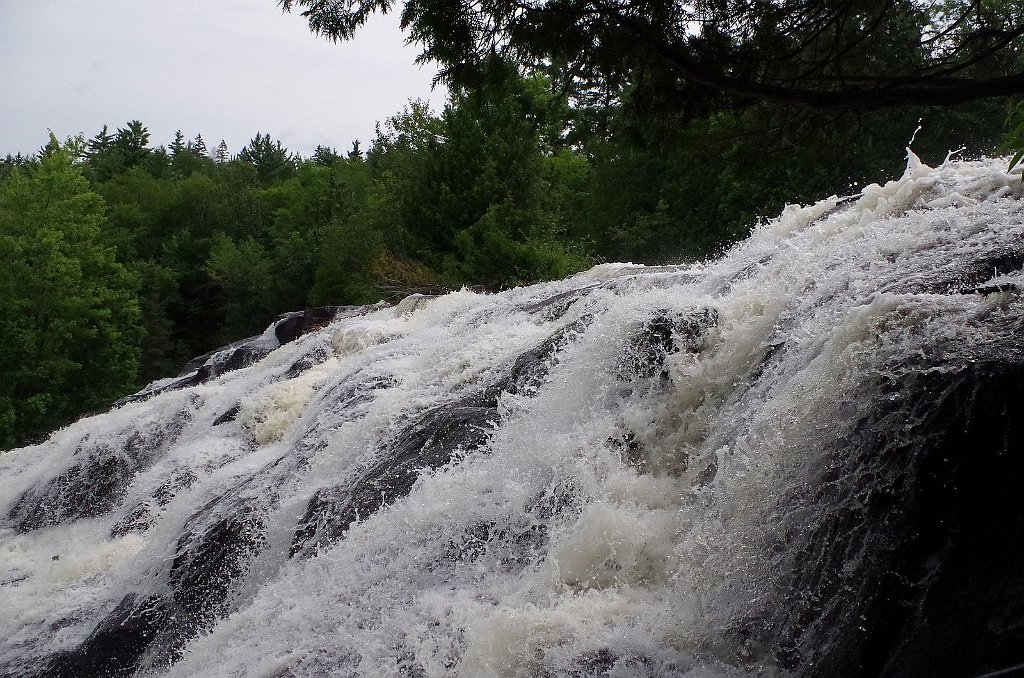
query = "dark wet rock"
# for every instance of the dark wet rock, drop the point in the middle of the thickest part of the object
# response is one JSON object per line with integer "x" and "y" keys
{"x": 208, "y": 561}
{"x": 431, "y": 441}
{"x": 92, "y": 487}
{"x": 471, "y": 545}
{"x": 291, "y": 326}
{"x": 555, "y": 307}
{"x": 426, "y": 445}
{"x": 217, "y": 549}
{"x": 916, "y": 571}
{"x": 342, "y": 402}
{"x": 232, "y": 357}
{"x": 530, "y": 368}
{"x": 316, "y": 527}
{"x": 985, "y": 290}
{"x": 630, "y": 448}
{"x": 114, "y": 646}
{"x": 229, "y": 415}
{"x": 968, "y": 276}
{"x": 1005, "y": 262}
{"x": 597, "y": 663}
{"x": 203, "y": 368}
{"x": 316, "y": 356}
{"x": 98, "y": 480}
{"x": 139, "y": 518}
{"x": 294, "y": 325}
{"x": 510, "y": 546}
{"x": 515, "y": 544}
{"x": 219, "y": 543}
{"x": 246, "y": 352}
{"x": 665, "y": 333}
{"x": 209, "y": 558}
{"x": 414, "y": 302}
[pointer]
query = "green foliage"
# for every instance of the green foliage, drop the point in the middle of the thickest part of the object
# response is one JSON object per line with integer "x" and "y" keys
{"x": 700, "y": 56}
{"x": 68, "y": 313}
{"x": 163, "y": 351}
{"x": 13, "y": 162}
{"x": 271, "y": 160}
{"x": 243, "y": 271}
{"x": 480, "y": 192}
{"x": 1013, "y": 135}
{"x": 345, "y": 266}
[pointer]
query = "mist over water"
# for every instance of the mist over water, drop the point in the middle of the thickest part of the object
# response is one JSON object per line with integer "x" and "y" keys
{"x": 769, "y": 464}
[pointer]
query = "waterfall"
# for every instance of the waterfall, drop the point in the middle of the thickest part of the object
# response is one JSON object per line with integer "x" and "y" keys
{"x": 802, "y": 458}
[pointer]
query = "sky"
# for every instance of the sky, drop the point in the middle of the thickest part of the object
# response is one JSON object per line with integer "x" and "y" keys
{"x": 224, "y": 68}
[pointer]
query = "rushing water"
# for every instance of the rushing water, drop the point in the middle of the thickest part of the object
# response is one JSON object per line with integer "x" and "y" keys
{"x": 797, "y": 459}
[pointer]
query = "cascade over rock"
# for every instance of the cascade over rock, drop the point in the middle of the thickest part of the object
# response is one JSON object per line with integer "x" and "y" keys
{"x": 803, "y": 458}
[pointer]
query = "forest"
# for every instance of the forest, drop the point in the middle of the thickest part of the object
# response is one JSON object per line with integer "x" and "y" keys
{"x": 124, "y": 256}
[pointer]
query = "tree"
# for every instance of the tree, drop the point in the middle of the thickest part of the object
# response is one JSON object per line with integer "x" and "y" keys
{"x": 13, "y": 162}
{"x": 475, "y": 179}
{"x": 817, "y": 53}
{"x": 68, "y": 312}
{"x": 355, "y": 153}
{"x": 100, "y": 143}
{"x": 324, "y": 156}
{"x": 177, "y": 146}
{"x": 187, "y": 157}
{"x": 271, "y": 160}
{"x": 221, "y": 156}
{"x": 131, "y": 144}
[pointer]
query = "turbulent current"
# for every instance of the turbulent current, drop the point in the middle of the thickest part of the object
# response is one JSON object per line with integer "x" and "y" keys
{"x": 803, "y": 458}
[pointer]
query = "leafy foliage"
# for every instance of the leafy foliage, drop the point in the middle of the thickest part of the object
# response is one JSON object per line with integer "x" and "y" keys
{"x": 816, "y": 53}
{"x": 271, "y": 160}
{"x": 68, "y": 313}
{"x": 1013, "y": 137}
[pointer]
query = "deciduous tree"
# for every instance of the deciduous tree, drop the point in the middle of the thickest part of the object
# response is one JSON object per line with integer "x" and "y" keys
{"x": 68, "y": 311}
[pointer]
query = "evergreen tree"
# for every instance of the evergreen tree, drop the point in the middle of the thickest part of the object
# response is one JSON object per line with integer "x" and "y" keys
{"x": 465, "y": 192}
{"x": 199, "y": 146}
{"x": 820, "y": 54}
{"x": 221, "y": 156}
{"x": 271, "y": 160}
{"x": 355, "y": 153}
{"x": 130, "y": 144}
{"x": 178, "y": 145}
{"x": 12, "y": 162}
{"x": 49, "y": 148}
{"x": 100, "y": 143}
{"x": 324, "y": 156}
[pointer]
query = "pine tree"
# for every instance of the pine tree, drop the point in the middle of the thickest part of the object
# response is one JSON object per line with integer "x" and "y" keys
{"x": 13, "y": 162}
{"x": 356, "y": 153}
{"x": 199, "y": 146}
{"x": 100, "y": 143}
{"x": 178, "y": 145}
{"x": 325, "y": 156}
{"x": 130, "y": 142}
{"x": 271, "y": 160}
{"x": 221, "y": 155}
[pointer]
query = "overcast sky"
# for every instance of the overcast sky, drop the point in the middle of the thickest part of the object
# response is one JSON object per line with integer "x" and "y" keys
{"x": 225, "y": 68}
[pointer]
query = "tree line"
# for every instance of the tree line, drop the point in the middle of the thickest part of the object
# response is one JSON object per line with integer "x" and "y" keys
{"x": 122, "y": 259}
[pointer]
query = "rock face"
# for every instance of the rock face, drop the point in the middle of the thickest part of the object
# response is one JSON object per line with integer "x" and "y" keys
{"x": 953, "y": 595}
{"x": 246, "y": 352}
{"x": 802, "y": 459}
{"x": 930, "y": 558}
